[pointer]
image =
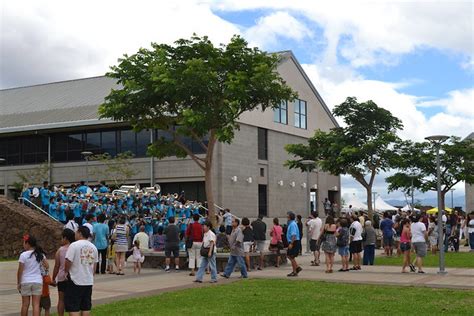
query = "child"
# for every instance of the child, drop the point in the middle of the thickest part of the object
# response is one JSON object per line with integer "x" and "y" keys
{"x": 111, "y": 258}
{"x": 45, "y": 300}
{"x": 137, "y": 257}
{"x": 454, "y": 240}
{"x": 222, "y": 243}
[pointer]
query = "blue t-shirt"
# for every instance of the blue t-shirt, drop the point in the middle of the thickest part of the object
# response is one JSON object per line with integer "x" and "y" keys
{"x": 103, "y": 189}
{"x": 82, "y": 189}
{"x": 101, "y": 232}
{"x": 292, "y": 231}
{"x": 386, "y": 227}
{"x": 53, "y": 210}
{"x": 44, "y": 193}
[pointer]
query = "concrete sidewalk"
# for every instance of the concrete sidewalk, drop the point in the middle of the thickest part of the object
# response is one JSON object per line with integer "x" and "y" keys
{"x": 109, "y": 288}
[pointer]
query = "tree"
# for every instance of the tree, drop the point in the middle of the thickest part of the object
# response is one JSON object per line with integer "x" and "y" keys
{"x": 361, "y": 149}
{"x": 117, "y": 169}
{"x": 417, "y": 164}
{"x": 34, "y": 176}
{"x": 194, "y": 89}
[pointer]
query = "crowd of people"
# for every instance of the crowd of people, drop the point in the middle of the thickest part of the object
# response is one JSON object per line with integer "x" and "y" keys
{"x": 102, "y": 230}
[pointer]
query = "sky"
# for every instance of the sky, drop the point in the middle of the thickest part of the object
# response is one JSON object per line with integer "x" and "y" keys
{"x": 414, "y": 58}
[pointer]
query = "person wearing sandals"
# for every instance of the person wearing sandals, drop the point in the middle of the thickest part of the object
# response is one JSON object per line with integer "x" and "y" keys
{"x": 342, "y": 243}
{"x": 121, "y": 244}
{"x": 276, "y": 243}
{"x": 419, "y": 236}
{"x": 208, "y": 242}
{"x": 329, "y": 242}
{"x": 405, "y": 244}
{"x": 294, "y": 244}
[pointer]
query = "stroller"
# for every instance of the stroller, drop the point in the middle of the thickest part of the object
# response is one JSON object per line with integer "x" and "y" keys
{"x": 453, "y": 241}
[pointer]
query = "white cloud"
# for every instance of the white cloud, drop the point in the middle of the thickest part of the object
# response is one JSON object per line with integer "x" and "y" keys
{"x": 458, "y": 102}
{"x": 378, "y": 31}
{"x": 278, "y": 24}
{"x": 55, "y": 40}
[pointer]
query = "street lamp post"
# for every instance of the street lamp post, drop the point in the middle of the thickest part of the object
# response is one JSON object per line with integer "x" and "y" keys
{"x": 86, "y": 155}
{"x": 308, "y": 164}
{"x": 2, "y": 161}
{"x": 452, "y": 198}
{"x": 437, "y": 140}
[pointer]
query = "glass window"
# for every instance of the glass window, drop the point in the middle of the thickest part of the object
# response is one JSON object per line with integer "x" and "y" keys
{"x": 143, "y": 140}
{"x": 75, "y": 142}
{"x": 262, "y": 144}
{"x": 280, "y": 114}
{"x": 128, "y": 141}
{"x": 93, "y": 142}
{"x": 300, "y": 113}
{"x": 109, "y": 143}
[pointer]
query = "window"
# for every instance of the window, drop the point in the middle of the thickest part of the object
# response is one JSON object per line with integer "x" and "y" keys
{"x": 127, "y": 141}
{"x": 262, "y": 200}
{"x": 109, "y": 143}
{"x": 262, "y": 172}
{"x": 143, "y": 140}
{"x": 262, "y": 144}
{"x": 280, "y": 114}
{"x": 300, "y": 114}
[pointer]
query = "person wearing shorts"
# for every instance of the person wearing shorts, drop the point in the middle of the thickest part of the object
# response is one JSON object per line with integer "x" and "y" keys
{"x": 355, "y": 245}
{"x": 81, "y": 260}
{"x": 419, "y": 235}
{"x": 294, "y": 244}
{"x": 260, "y": 230}
{"x": 172, "y": 244}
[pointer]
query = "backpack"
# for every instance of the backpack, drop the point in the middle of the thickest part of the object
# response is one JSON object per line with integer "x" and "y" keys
{"x": 343, "y": 238}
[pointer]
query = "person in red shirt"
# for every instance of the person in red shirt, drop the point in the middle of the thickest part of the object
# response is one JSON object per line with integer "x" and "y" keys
{"x": 194, "y": 234}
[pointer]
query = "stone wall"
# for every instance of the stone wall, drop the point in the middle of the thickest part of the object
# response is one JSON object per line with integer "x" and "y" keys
{"x": 16, "y": 220}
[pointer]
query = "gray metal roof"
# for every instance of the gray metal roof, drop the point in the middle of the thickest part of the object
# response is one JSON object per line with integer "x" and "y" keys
{"x": 58, "y": 104}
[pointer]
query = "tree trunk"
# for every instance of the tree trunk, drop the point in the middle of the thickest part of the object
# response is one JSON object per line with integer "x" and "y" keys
{"x": 210, "y": 195}
{"x": 370, "y": 212}
{"x": 443, "y": 204}
{"x": 208, "y": 180}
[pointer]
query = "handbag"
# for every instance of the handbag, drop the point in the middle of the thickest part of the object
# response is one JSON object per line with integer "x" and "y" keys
{"x": 205, "y": 251}
{"x": 189, "y": 239}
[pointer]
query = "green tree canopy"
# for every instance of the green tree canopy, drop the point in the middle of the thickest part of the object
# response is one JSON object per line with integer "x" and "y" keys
{"x": 194, "y": 89}
{"x": 416, "y": 162}
{"x": 361, "y": 148}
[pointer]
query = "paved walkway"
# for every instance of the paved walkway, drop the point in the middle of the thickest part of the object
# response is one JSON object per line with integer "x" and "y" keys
{"x": 110, "y": 288}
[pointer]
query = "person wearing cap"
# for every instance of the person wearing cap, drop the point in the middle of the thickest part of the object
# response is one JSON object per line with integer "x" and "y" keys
{"x": 294, "y": 244}
{"x": 368, "y": 237}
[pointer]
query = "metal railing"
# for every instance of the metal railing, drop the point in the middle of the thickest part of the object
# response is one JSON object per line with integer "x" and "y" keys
{"x": 37, "y": 207}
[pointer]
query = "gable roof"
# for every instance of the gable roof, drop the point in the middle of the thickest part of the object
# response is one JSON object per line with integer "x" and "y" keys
{"x": 75, "y": 102}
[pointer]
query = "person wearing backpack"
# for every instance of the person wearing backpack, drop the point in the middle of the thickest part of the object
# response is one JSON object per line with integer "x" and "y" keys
{"x": 342, "y": 243}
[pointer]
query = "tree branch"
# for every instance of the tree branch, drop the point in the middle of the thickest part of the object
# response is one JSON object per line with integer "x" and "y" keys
{"x": 198, "y": 139}
{"x": 200, "y": 162}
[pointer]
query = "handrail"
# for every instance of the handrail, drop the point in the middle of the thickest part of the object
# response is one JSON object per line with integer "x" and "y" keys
{"x": 37, "y": 207}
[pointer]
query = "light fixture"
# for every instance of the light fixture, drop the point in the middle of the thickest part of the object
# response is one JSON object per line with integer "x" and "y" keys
{"x": 280, "y": 183}
{"x": 249, "y": 180}
{"x": 303, "y": 185}
{"x": 233, "y": 179}
{"x": 315, "y": 186}
{"x": 334, "y": 188}
{"x": 292, "y": 184}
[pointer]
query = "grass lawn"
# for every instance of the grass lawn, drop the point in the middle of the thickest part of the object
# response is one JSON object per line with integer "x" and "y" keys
{"x": 292, "y": 297}
{"x": 8, "y": 259}
{"x": 452, "y": 259}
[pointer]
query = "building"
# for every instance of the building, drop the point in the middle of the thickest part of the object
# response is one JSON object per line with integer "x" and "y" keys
{"x": 55, "y": 122}
{"x": 469, "y": 193}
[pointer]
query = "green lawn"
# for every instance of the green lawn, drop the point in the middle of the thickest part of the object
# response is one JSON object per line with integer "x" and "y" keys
{"x": 452, "y": 259}
{"x": 8, "y": 259}
{"x": 292, "y": 297}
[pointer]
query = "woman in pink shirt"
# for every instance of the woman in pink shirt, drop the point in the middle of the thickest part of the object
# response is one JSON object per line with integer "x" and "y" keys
{"x": 405, "y": 244}
{"x": 276, "y": 243}
{"x": 59, "y": 275}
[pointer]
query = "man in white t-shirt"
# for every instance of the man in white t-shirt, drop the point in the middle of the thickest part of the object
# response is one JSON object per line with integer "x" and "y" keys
{"x": 470, "y": 231}
{"x": 142, "y": 237}
{"x": 355, "y": 245}
{"x": 81, "y": 259}
{"x": 314, "y": 225}
{"x": 419, "y": 235}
